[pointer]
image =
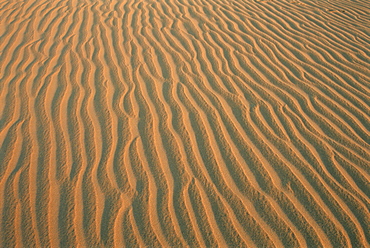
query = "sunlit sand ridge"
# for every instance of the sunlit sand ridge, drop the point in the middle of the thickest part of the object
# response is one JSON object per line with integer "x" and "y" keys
{"x": 175, "y": 123}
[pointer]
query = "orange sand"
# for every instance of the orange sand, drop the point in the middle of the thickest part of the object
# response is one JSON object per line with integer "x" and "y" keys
{"x": 189, "y": 123}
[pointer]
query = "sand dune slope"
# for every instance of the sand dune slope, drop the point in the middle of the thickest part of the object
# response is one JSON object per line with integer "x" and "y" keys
{"x": 201, "y": 123}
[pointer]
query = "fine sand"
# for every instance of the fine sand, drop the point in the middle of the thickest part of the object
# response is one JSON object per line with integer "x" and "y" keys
{"x": 184, "y": 123}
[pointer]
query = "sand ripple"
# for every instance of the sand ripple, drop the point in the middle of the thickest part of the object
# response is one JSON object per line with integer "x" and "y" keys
{"x": 184, "y": 123}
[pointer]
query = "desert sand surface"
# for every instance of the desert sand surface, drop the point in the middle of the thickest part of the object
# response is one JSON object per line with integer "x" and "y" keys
{"x": 184, "y": 123}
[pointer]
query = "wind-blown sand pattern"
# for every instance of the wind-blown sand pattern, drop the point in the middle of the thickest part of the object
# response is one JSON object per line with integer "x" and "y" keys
{"x": 200, "y": 123}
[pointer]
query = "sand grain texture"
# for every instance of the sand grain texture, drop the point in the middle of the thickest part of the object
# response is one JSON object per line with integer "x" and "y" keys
{"x": 189, "y": 123}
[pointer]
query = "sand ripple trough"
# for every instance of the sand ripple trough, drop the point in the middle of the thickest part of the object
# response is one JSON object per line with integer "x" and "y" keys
{"x": 201, "y": 123}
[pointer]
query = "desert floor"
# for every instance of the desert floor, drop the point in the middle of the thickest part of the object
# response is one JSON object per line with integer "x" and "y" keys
{"x": 184, "y": 123}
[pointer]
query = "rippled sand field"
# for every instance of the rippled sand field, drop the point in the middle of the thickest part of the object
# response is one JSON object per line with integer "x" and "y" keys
{"x": 184, "y": 123}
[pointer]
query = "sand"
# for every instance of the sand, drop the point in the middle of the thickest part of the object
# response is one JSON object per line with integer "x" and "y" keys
{"x": 184, "y": 123}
